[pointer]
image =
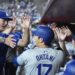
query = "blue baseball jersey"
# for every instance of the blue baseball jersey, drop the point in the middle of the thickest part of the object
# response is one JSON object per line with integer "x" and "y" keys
{"x": 4, "y": 48}
{"x": 40, "y": 61}
{"x": 68, "y": 70}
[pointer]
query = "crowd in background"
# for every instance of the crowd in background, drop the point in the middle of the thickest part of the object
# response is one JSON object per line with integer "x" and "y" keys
{"x": 22, "y": 8}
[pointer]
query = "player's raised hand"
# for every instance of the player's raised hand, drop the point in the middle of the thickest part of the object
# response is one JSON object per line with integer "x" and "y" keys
{"x": 60, "y": 34}
{"x": 67, "y": 31}
{"x": 26, "y": 22}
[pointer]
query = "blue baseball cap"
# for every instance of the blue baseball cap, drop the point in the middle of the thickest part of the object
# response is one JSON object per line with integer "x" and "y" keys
{"x": 45, "y": 33}
{"x": 4, "y": 15}
{"x": 70, "y": 68}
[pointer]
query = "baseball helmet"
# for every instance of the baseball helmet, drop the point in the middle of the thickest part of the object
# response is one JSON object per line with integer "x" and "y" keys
{"x": 4, "y": 15}
{"x": 45, "y": 33}
{"x": 70, "y": 68}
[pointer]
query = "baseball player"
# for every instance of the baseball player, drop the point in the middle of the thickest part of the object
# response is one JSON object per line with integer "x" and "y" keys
{"x": 42, "y": 60}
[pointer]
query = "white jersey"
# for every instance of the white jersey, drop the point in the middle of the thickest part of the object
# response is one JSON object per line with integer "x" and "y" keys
{"x": 40, "y": 61}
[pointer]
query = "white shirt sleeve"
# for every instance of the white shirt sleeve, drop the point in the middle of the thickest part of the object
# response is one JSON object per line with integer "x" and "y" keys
{"x": 22, "y": 59}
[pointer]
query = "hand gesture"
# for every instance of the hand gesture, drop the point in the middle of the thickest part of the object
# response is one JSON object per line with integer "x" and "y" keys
{"x": 67, "y": 31}
{"x": 26, "y": 22}
{"x": 10, "y": 41}
{"x": 61, "y": 36}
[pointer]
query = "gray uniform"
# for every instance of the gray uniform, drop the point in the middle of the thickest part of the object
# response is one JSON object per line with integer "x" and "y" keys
{"x": 40, "y": 61}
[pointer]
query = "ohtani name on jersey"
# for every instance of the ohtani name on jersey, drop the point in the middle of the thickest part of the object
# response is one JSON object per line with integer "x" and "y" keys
{"x": 45, "y": 57}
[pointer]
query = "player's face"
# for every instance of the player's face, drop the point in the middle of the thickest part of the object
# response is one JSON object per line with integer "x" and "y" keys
{"x": 38, "y": 41}
{"x": 3, "y": 24}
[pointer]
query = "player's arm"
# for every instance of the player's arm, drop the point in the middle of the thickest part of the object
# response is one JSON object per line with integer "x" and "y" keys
{"x": 21, "y": 59}
{"x": 26, "y": 32}
{"x": 25, "y": 38}
{"x": 7, "y": 40}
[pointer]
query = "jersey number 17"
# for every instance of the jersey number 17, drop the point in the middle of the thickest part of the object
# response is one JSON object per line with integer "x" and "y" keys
{"x": 40, "y": 66}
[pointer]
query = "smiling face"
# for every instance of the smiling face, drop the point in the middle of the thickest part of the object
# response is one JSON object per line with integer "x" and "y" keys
{"x": 3, "y": 25}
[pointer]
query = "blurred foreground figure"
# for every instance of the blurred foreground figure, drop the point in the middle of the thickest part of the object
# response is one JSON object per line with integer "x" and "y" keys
{"x": 5, "y": 40}
{"x": 69, "y": 68}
